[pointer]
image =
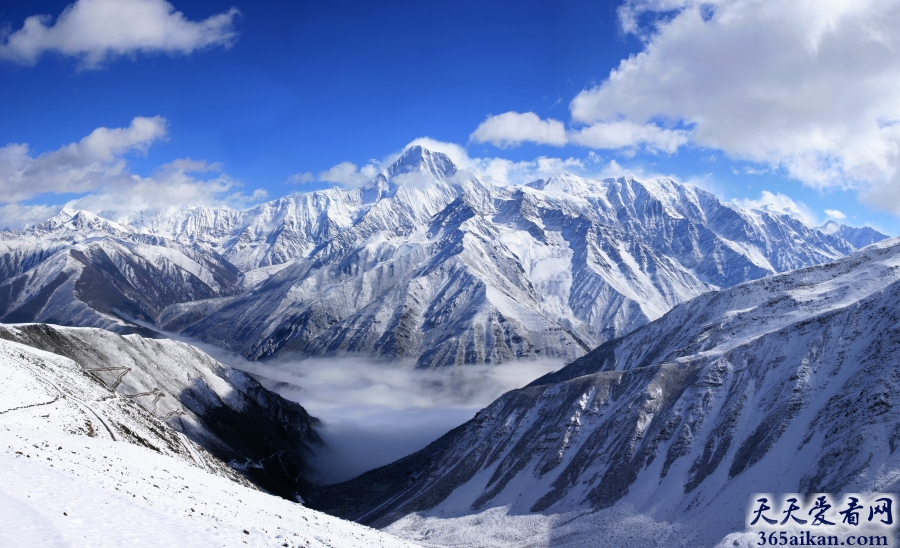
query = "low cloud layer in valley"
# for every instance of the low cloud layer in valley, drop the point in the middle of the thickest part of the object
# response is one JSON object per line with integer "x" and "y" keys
{"x": 376, "y": 412}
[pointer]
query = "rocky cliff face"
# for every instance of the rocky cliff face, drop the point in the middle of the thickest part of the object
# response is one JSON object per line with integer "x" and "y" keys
{"x": 785, "y": 384}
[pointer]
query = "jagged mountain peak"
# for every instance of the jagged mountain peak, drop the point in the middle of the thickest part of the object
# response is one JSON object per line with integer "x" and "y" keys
{"x": 419, "y": 159}
{"x": 572, "y": 184}
{"x": 830, "y": 227}
{"x": 77, "y": 219}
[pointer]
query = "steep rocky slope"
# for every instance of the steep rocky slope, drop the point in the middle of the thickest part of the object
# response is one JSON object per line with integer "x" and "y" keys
{"x": 79, "y": 269}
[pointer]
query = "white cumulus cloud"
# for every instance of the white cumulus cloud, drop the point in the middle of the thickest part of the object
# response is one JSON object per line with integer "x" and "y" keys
{"x": 168, "y": 189}
{"x": 92, "y": 162}
{"x": 97, "y": 30}
{"x": 514, "y": 128}
{"x": 97, "y": 168}
{"x": 15, "y": 216}
{"x": 835, "y": 214}
{"x": 625, "y": 134}
{"x": 349, "y": 174}
{"x": 808, "y": 87}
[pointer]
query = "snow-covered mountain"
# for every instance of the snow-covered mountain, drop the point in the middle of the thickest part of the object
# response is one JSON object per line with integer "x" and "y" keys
{"x": 266, "y": 438}
{"x": 82, "y": 465}
{"x": 788, "y": 384}
{"x": 425, "y": 262}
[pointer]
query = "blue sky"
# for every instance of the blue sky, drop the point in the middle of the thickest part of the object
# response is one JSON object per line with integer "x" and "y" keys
{"x": 233, "y": 102}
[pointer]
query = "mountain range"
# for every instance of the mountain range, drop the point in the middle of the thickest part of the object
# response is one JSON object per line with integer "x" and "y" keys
{"x": 425, "y": 263}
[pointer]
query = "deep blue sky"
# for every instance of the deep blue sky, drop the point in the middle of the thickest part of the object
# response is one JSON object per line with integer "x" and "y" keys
{"x": 306, "y": 85}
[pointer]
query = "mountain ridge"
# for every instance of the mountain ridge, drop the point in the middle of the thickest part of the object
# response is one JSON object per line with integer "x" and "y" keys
{"x": 267, "y": 439}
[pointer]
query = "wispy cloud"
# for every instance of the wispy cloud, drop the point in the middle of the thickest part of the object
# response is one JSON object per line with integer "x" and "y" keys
{"x": 349, "y": 174}
{"x": 502, "y": 171}
{"x": 346, "y": 174}
{"x": 97, "y": 167}
{"x": 514, "y": 128}
{"x": 166, "y": 190}
{"x": 77, "y": 167}
{"x": 95, "y": 31}
{"x": 301, "y": 178}
{"x": 779, "y": 203}
{"x": 15, "y": 216}
{"x": 624, "y": 134}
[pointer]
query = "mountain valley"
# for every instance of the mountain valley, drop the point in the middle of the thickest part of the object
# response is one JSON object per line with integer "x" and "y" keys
{"x": 713, "y": 351}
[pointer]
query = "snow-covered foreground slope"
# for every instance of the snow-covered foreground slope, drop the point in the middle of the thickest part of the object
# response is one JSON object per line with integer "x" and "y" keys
{"x": 425, "y": 263}
{"x": 787, "y": 384}
{"x": 267, "y": 438}
{"x": 83, "y": 466}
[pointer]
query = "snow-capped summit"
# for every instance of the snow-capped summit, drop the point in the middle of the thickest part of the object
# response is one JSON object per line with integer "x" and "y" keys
{"x": 858, "y": 237}
{"x": 71, "y": 220}
{"x": 419, "y": 159}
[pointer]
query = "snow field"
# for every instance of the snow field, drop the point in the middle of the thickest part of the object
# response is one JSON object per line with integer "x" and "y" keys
{"x": 65, "y": 480}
